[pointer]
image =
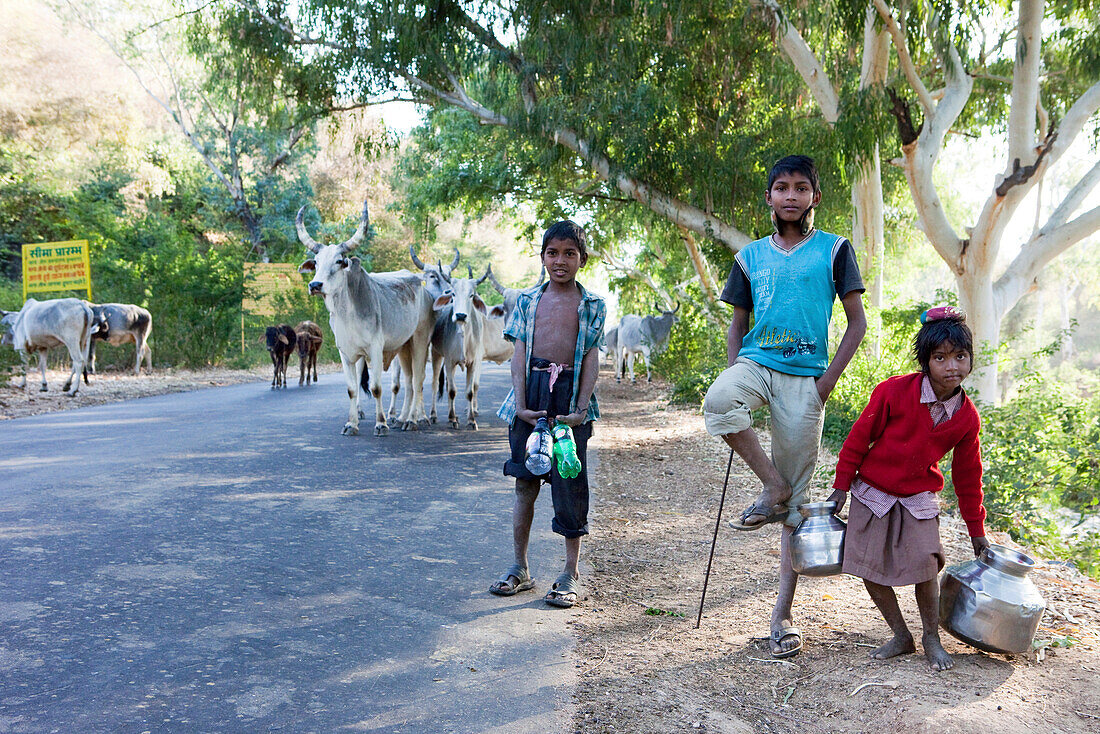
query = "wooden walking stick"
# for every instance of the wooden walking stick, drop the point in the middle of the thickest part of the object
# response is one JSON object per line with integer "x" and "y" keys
{"x": 717, "y": 524}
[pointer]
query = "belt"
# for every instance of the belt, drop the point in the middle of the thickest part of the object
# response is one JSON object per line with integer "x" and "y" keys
{"x": 555, "y": 371}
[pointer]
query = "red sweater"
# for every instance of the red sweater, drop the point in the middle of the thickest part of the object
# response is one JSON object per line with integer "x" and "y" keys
{"x": 894, "y": 447}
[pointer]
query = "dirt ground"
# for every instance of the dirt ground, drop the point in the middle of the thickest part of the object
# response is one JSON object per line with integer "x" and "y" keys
{"x": 645, "y": 668}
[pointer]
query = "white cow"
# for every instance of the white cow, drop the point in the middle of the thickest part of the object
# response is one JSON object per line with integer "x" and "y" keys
{"x": 511, "y": 295}
{"x": 374, "y": 317}
{"x": 497, "y": 348}
{"x": 126, "y": 323}
{"x": 42, "y": 325}
{"x": 644, "y": 336}
{"x": 437, "y": 279}
{"x": 458, "y": 340}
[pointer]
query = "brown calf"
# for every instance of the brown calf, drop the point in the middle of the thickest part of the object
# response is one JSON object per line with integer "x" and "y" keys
{"x": 309, "y": 343}
{"x": 281, "y": 341}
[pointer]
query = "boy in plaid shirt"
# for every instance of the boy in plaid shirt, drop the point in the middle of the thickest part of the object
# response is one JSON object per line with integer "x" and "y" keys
{"x": 557, "y": 329}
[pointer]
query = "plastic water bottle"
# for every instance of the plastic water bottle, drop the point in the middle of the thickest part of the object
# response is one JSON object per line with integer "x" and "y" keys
{"x": 565, "y": 451}
{"x": 539, "y": 449}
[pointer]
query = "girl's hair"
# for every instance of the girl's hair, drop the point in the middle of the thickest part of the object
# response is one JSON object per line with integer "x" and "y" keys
{"x": 566, "y": 229}
{"x": 945, "y": 329}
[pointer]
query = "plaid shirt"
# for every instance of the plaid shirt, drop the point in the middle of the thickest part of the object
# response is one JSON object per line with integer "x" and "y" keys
{"x": 924, "y": 505}
{"x": 591, "y": 315}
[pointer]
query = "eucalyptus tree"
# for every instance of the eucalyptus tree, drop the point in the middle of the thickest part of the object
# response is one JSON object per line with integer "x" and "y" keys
{"x": 966, "y": 68}
{"x": 668, "y": 107}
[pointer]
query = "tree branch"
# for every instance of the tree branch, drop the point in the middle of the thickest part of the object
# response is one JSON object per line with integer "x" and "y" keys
{"x": 187, "y": 133}
{"x": 1075, "y": 197}
{"x": 629, "y": 270}
{"x": 702, "y": 267}
{"x": 1025, "y": 84}
{"x": 920, "y": 161}
{"x": 1039, "y": 251}
{"x": 1021, "y": 174}
{"x": 897, "y": 35}
{"x": 295, "y": 136}
{"x": 803, "y": 59}
{"x": 1079, "y": 113}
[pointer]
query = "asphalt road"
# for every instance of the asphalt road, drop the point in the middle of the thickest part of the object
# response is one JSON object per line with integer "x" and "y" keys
{"x": 225, "y": 560}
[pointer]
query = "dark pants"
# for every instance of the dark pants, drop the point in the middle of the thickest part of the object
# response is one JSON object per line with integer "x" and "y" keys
{"x": 570, "y": 496}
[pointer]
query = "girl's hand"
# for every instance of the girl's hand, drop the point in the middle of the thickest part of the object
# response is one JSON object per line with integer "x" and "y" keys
{"x": 573, "y": 419}
{"x": 840, "y": 497}
{"x": 979, "y": 544}
{"x": 530, "y": 416}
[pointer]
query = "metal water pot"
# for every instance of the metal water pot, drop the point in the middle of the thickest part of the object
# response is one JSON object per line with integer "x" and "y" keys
{"x": 817, "y": 544}
{"x": 990, "y": 603}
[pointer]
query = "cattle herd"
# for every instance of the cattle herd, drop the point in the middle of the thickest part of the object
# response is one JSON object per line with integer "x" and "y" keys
{"x": 77, "y": 325}
{"x": 431, "y": 317}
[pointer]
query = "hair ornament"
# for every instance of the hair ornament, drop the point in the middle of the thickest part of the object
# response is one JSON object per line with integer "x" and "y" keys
{"x": 939, "y": 313}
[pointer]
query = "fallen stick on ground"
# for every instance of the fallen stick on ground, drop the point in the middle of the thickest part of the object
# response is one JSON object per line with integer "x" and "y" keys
{"x": 777, "y": 662}
{"x": 886, "y": 684}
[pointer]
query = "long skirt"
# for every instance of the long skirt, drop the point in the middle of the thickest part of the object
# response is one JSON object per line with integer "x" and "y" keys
{"x": 896, "y": 549}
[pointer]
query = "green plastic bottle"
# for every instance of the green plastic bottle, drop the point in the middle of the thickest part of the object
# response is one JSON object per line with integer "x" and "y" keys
{"x": 565, "y": 451}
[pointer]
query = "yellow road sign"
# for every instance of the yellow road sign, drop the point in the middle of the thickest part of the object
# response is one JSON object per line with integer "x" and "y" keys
{"x": 56, "y": 266}
{"x": 265, "y": 281}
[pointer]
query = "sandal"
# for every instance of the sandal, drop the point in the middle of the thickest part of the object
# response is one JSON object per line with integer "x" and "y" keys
{"x": 777, "y": 513}
{"x": 777, "y": 639}
{"x": 504, "y": 585}
{"x": 564, "y": 592}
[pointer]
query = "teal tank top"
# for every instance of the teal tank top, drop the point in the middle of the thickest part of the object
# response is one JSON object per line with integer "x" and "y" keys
{"x": 792, "y": 296}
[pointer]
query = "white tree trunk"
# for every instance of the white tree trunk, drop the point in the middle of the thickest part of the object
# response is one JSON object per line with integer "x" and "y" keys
{"x": 984, "y": 318}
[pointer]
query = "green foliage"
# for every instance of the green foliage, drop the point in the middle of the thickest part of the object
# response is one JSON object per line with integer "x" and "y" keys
{"x": 1041, "y": 451}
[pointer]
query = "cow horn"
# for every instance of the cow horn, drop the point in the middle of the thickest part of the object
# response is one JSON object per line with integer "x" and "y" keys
{"x": 482, "y": 278}
{"x": 677, "y": 307}
{"x": 360, "y": 232}
{"x": 454, "y": 263}
{"x": 542, "y": 275}
{"x": 470, "y": 271}
{"x": 311, "y": 244}
{"x": 416, "y": 260}
{"x": 493, "y": 279}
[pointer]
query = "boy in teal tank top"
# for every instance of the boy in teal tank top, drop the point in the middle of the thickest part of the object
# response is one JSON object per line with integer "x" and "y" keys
{"x": 787, "y": 282}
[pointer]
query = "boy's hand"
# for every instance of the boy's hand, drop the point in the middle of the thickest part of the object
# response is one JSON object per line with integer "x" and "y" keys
{"x": 840, "y": 497}
{"x": 530, "y": 416}
{"x": 979, "y": 544}
{"x": 573, "y": 419}
{"x": 825, "y": 387}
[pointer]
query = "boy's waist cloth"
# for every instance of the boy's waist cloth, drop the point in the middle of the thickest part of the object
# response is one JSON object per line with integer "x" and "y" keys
{"x": 555, "y": 369}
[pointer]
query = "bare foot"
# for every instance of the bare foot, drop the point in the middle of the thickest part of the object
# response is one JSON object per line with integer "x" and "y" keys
{"x": 938, "y": 659}
{"x": 771, "y": 496}
{"x": 765, "y": 504}
{"x": 896, "y": 646}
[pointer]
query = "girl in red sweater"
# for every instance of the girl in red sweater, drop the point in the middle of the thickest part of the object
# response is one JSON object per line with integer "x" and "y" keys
{"x": 889, "y": 463}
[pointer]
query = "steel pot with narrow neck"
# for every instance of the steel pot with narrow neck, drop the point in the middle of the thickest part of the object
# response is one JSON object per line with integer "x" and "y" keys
{"x": 990, "y": 602}
{"x": 817, "y": 544}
